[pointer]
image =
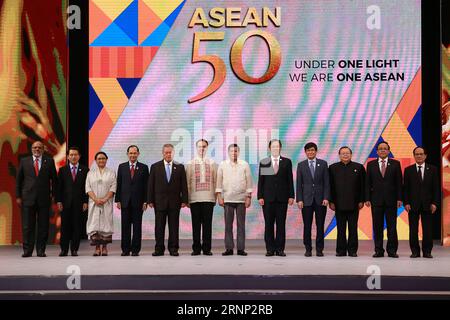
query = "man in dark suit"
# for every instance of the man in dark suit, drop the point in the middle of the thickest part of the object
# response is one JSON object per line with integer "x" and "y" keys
{"x": 384, "y": 196}
{"x": 313, "y": 192}
{"x": 72, "y": 201}
{"x": 347, "y": 194}
{"x": 35, "y": 188}
{"x": 167, "y": 193}
{"x": 131, "y": 199}
{"x": 421, "y": 192}
{"x": 275, "y": 192}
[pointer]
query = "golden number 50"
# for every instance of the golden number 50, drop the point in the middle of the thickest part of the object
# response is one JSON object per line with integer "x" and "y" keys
{"x": 235, "y": 58}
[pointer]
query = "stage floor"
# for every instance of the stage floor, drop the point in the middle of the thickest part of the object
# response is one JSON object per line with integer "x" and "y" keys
{"x": 256, "y": 263}
{"x": 209, "y": 277}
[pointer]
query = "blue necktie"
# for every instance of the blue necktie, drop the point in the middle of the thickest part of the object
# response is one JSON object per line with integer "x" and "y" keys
{"x": 168, "y": 172}
{"x": 311, "y": 168}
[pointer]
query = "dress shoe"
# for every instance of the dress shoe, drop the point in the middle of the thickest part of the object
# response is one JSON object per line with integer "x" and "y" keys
{"x": 281, "y": 254}
{"x": 319, "y": 253}
{"x": 227, "y": 253}
{"x": 428, "y": 255}
{"x": 207, "y": 253}
{"x": 308, "y": 253}
{"x": 63, "y": 254}
{"x": 270, "y": 254}
{"x": 74, "y": 253}
{"x": 195, "y": 253}
{"x": 27, "y": 255}
{"x": 157, "y": 253}
{"x": 378, "y": 255}
{"x": 135, "y": 254}
{"x": 41, "y": 254}
{"x": 241, "y": 253}
{"x": 393, "y": 255}
{"x": 353, "y": 255}
{"x": 341, "y": 254}
{"x": 414, "y": 255}
{"x": 174, "y": 254}
{"x": 124, "y": 254}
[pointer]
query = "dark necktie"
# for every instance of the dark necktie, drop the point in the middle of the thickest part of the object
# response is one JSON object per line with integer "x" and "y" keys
{"x": 74, "y": 173}
{"x": 311, "y": 168}
{"x": 420, "y": 173}
{"x": 132, "y": 171}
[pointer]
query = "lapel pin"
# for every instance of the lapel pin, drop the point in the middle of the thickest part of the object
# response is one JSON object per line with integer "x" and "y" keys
{"x": 318, "y": 165}
{"x": 356, "y": 170}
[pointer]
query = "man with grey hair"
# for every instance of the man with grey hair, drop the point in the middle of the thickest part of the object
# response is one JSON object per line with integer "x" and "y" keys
{"x": 167, "y": 193}
{"x": 35, "y": 188}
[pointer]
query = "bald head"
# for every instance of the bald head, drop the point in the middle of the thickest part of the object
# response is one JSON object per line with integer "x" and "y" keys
{"x": 37, "y": 149}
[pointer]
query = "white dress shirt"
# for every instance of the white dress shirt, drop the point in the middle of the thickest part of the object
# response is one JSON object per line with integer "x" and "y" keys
{"x": 380, "y": 163}
{"x": 234, "y": 181}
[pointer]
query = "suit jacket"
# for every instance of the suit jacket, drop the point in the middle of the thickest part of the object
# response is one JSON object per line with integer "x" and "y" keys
{"x": 309, "y": 187}
{"x": 347, "y": 185}
{"x": 34, "y": 189}
{"x": 167, "y": 195}
{"x": 132, "y": 191}
{"x": 275, "y": 187}
{"x": 387, "y": 190}
{"x": 421, "y": 193}
{"x": 72, "y": 193}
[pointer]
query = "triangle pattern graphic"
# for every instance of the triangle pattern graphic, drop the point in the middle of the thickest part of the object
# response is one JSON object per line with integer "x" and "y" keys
{"x": 128, "y": 85}
{"x": 113, "y": 36}
{"x": 148, "y": 21}
{"x": 98, "y": 21}
{"x": 128, "y": 21}
{"x": 157, "y": 37}
{"x": 172, "y": 17}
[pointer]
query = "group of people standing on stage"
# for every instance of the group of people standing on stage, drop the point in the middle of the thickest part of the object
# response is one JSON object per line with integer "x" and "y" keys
{"x": 168, "y": 186}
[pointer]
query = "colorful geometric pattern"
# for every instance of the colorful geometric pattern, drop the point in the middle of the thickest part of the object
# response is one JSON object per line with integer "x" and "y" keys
{"x": 124, "y": 36}
{"x": 404, "y": 133}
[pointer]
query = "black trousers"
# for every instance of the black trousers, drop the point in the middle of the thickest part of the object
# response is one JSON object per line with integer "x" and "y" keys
{"x": 202, "y": 214}
{"x": 379, "y": 215}
{"x": 131, "y": 218}
{"x": 275, "y": 214}
{"x": 31, "y": 215}
{"x": 173, "y": 217}
{"x": 71, "y": 228}
{"x": 346, "y": 218}
{"x": 427, "y": 231}
{"x": 307, "y": 214}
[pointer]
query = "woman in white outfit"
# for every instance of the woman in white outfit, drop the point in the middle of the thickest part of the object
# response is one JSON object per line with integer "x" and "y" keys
{"x": 100, "y": 186}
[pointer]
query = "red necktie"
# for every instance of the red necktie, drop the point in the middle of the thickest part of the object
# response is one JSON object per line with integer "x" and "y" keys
{"x": 36, "y": 166}
{"x": 132, "y": 171}
{"x": 383, "y": 167}
{"x": 275, "y": 166}
{"x": 74, "y": 173}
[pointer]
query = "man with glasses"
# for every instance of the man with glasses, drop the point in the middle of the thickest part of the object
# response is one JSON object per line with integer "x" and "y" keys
{"x": 347, "y": 196}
